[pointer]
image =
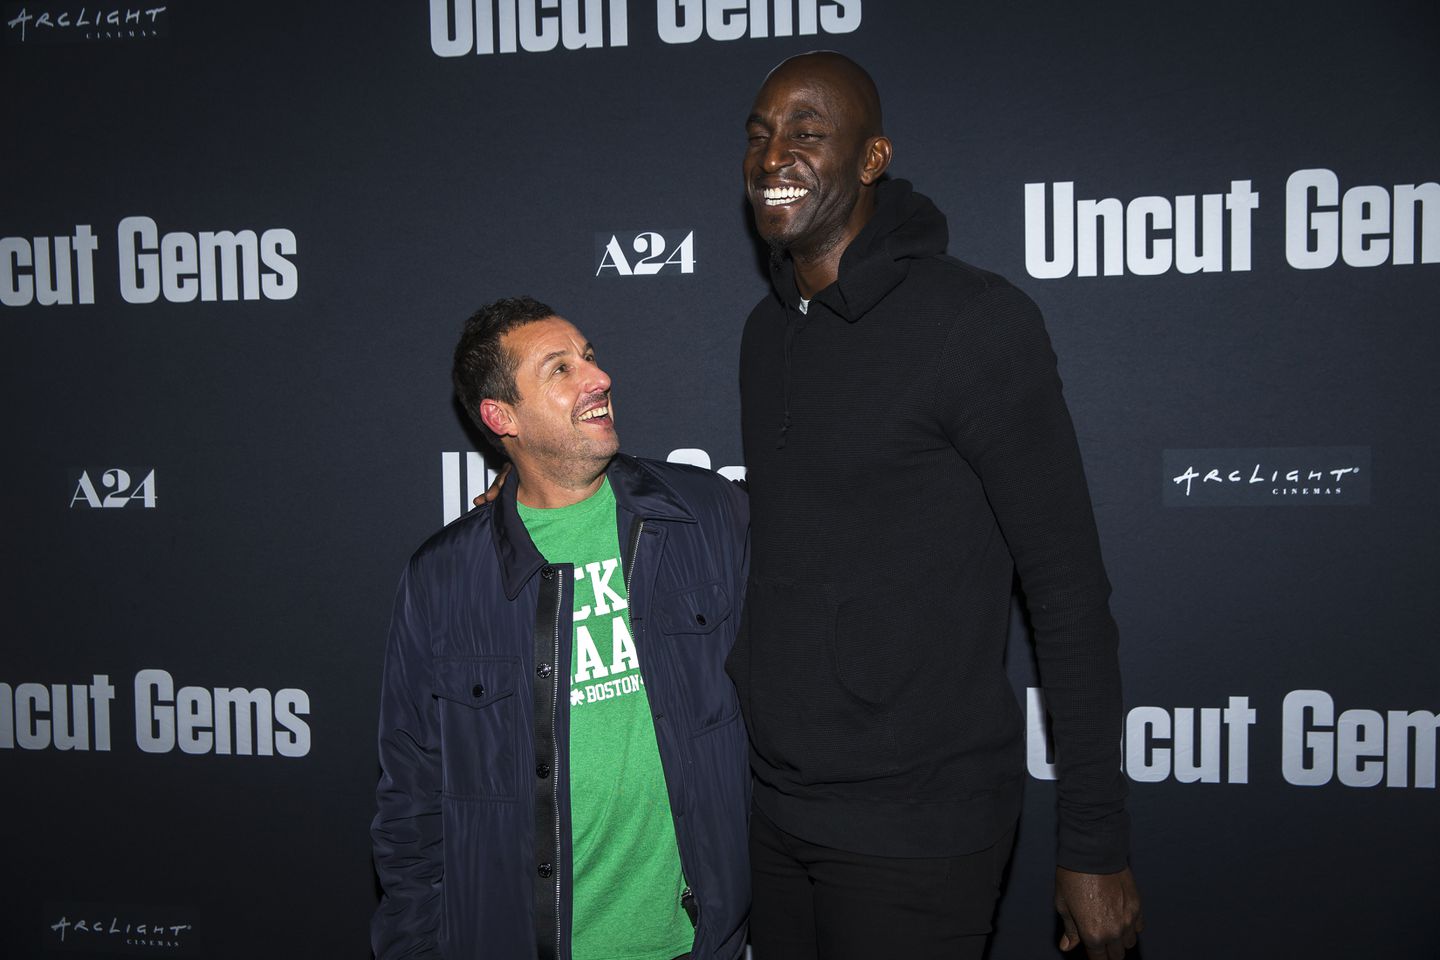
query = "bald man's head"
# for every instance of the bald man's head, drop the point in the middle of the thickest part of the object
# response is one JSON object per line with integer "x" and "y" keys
{"x": 817, "y": 148}
{"x": 845, "y": 76}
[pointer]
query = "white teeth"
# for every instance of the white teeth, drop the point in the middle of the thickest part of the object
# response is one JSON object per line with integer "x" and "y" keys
{"x": 776, "y": 196}
{"x": 591, "y": 414}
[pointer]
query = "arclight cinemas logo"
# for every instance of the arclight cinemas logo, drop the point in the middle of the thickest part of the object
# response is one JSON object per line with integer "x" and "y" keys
{"x": 125, "y": 930}
{"x": 83, "y": 22}
{"x": 1267, "y": 476}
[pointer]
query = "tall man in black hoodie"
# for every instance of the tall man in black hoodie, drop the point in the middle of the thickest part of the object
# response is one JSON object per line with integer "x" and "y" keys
{"x": 887, "y": 745}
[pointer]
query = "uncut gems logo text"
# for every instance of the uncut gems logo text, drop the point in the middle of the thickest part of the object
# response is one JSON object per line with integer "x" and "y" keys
{"x": 1267, "y": 476}
{"x": 461, "y": 27}
{"x": 644, "y": 253}
{"x": 465, "y": 475}
{"x": 467, "y": 472}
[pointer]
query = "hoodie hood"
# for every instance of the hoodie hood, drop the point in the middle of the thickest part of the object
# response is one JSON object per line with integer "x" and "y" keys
{"x": 906, "y": 226}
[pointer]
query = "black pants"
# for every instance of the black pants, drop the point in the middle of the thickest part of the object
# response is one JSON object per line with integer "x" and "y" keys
{"x": 818, "y": 903}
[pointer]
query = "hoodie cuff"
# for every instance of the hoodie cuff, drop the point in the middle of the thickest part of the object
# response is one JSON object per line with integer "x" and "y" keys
{"x": 1094, "y": 845}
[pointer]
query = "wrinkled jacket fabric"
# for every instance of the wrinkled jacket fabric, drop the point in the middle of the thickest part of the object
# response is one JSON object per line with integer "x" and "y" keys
{"x": 472, "y": 839}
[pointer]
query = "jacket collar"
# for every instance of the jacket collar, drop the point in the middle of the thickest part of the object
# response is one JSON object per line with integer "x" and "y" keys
{"x": 638, "y": 491}
{"x": 644, "y": 493}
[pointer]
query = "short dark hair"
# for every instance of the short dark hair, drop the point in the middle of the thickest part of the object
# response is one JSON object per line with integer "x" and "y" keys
{"x": 484, "y": 369}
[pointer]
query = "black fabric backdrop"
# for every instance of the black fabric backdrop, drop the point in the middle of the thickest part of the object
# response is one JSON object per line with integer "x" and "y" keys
{"x": 299, "y": 443}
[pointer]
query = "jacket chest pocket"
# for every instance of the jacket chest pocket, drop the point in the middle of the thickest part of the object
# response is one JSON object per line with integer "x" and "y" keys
{"x": 479, "y": 726}
{"x": 697, "y": 610}
{"x": 696, "y": 632}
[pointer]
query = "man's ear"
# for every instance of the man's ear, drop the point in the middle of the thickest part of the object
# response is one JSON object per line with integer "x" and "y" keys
{"x": 499, "y": 417}
{"x": 877, "y": 159}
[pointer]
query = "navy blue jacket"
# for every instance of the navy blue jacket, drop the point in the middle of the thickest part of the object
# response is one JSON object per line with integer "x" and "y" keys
{"x": 472, "y": 838}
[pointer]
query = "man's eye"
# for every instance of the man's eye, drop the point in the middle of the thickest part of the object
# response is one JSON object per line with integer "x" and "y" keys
{"x": 561, "y": 368}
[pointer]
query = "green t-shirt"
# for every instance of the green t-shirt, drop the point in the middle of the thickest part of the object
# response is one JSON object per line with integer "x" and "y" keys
{"x": 626, "y": 867}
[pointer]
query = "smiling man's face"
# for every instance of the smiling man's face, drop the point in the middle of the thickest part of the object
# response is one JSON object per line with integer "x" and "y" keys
{"x": 809, "y": 137}
{"x": 563, "y": 425}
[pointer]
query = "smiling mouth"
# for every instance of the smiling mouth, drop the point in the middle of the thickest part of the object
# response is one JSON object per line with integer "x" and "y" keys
{"x": 595, "y": 413}
{"x": 780, "y": 196}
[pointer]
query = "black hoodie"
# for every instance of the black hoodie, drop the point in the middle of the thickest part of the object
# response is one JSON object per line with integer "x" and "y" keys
{"x": 908, "y": 452}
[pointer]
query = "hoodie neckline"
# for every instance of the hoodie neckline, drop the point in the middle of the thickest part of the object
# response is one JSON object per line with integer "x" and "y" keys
{"x": 905, "y": 226}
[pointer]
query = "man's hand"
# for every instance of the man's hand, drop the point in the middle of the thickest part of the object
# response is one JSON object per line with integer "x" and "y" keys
{"x": 1100, "y": 910}
{"x": 489, "y": 495}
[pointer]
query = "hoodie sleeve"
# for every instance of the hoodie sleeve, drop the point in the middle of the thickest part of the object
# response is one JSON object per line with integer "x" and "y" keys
{"x": 1001, "y": 403}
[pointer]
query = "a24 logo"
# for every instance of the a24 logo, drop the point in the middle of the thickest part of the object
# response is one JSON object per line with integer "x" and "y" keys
{"x": 649, "y": 253}
{"x": 117, "y": 490}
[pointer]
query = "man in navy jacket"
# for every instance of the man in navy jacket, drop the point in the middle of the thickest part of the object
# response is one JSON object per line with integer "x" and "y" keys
{"x": 489, "y": 824}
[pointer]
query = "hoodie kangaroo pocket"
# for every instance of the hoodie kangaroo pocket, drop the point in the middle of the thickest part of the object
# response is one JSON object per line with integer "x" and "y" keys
{"x": 802, "y": 717}
{"x": 877, "y": 653}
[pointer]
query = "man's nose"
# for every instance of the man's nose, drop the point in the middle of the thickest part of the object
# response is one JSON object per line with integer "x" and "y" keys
{"x": 598, "y": 380}
{"x": 777, "y": 155}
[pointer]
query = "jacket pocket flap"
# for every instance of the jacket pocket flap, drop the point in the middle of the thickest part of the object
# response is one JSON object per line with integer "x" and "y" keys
{"x": 475, "y": 681}
{"x": 698, "y": 609}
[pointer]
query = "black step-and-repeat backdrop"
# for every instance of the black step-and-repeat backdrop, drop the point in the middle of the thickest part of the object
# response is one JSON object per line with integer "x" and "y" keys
{"x": 237, "y": 243}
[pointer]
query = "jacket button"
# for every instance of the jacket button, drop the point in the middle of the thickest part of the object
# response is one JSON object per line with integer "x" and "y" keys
{"x": 547, "y": 572}
{"x": 545, "y": 870}
{"x": 542, "y": 671}
{"x": 477, "y": 691}
{"x": 700, "y": 619}
{"x": 542, "y": 770}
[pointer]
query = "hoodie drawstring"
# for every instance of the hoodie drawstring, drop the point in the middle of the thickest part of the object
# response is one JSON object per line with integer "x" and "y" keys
{"x": 793, "y": 321}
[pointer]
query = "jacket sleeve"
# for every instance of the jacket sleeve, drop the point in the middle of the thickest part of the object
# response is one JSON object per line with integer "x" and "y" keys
{"x": 406, "y": 832}
{"x": 740, "y": 495}
{"x": 740, "y": 531}
{"x": 1006, "y": 414}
